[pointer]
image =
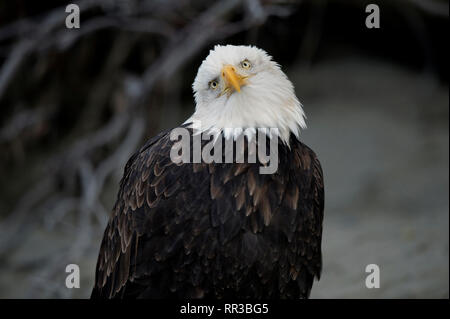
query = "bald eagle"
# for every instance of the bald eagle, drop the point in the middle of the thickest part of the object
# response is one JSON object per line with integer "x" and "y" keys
{"x": 220, "y": 229}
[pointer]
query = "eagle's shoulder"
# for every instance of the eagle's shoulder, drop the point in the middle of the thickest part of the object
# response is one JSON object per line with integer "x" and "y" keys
{"x": 149, "y": 178}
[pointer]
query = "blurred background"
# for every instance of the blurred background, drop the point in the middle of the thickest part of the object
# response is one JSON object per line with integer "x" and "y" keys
{"x": 76, "y": 103}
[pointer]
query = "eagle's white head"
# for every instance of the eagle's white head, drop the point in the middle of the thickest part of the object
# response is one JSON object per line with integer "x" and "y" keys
{"x": 241, "y": 87}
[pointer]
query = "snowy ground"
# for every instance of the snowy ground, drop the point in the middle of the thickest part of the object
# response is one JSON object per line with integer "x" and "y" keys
{"x": 382, "y": 136}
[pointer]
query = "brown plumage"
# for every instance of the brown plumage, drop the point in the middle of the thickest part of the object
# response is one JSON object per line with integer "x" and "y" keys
{"x": 213, "y": 230}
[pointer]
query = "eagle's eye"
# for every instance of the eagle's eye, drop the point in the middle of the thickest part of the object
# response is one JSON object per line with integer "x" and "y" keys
{"x": 246, "y": 64}
{"x": 213, "y": 84}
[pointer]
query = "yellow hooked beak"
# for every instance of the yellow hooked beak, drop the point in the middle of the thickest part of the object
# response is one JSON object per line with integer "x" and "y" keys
{"x": 232, "y": 79}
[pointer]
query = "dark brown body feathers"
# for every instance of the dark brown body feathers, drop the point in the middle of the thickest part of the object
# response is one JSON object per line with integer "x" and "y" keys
{"x": 213, "y": 230}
